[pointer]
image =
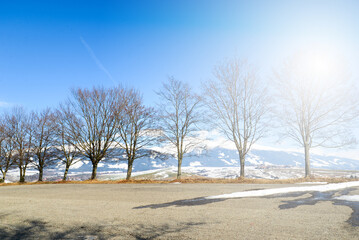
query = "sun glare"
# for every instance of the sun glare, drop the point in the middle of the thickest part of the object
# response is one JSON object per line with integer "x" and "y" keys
{"x": 318, "y": 69}
{"x": 320, "y": 65}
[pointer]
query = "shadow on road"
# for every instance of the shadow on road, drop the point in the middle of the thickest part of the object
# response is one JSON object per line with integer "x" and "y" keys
{"x": 314, "y": 199}
{"x": 143, "y": 232}
{"x": 325, "y": 196}
{"x": 36, "y": 229}
{"x": 182, "y": 203}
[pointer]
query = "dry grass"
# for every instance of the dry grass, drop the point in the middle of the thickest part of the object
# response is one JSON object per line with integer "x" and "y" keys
{"x": 141, "y": 181}
{"x": 194, "y": 179}
{"x": 263, "y": 181}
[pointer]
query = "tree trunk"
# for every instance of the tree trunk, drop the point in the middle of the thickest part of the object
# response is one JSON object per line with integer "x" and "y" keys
{"x": 241, "y": 160}
{"x": 22, "y": 179}
{"x": 41, "y": 171}
{"x": 94, "y": 170}
{"x": 22, "y": 176}
{"x": 3, "y": 176}
{"x": 129, "y": 169}
{"x": 307, "y": 161}
{"x": 66, "y": 171}
{"x": 179, "y": 172}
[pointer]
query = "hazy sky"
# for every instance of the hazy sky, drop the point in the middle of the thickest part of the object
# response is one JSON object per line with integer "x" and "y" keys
{"x": 47, "y": 47}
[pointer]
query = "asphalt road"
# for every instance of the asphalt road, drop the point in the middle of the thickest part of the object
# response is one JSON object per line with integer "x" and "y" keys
{"x": 170, "y": 211}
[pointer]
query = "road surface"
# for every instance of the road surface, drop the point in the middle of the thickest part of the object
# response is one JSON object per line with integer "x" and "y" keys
{"x": 172, "y": 211}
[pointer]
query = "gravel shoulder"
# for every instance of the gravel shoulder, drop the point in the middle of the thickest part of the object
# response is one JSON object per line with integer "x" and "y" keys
{"x": 150, "y": 211}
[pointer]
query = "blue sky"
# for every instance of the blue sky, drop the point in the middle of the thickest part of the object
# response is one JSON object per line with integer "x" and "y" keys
{"x": 48, "y": 47}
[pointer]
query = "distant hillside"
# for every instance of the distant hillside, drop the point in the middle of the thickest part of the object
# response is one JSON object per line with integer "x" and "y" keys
{"x": 214, "y": 162}
{"x": 221, "y": 157}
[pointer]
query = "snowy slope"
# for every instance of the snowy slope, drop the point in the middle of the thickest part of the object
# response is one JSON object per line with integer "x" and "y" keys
{"x": 221, "y": 157}
{"x": 214, "y": 162}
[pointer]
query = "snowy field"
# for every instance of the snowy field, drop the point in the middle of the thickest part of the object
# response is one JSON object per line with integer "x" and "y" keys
{"x": 219, "y": 160}
{"x": 170, "y": 173}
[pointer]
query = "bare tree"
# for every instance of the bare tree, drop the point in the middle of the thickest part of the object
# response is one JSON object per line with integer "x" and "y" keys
{"x": 136, "y": 128}
{"x": 43, "y": 140}
{"x": 92, "y": 129}
{"x": 6, "y": 150}
{"x": 178, "y": 117}
{"x": 237, "y": 104}
{"x": 18, "y": 123}
{"x": 316, "y": 104}
{"x": 66, "y": 150}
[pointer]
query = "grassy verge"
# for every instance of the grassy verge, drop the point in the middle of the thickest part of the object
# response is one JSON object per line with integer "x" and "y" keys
{"x": 194, "y": 180}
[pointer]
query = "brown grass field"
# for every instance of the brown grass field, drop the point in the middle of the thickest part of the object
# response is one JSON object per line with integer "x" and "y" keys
{"x": 194, "y": 179}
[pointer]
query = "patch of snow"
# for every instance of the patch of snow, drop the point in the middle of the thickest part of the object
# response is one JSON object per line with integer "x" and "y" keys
{"x": 297, "y": 163}
{"x": 31, "y": 172}
{"x": 226, "y": 162}
{"x": 161, "y": 175}
{"x": 319, "y": 163}
{"x": 335, "y": 161}
{"x": 253, "y": 159}
{"x": 267, "y": 192}
{"x": 77, "y": 165}
{"x": 277, "y": 148}
{"x": 352, "y": 198}
{"x": 154, "y": 164}
{"x": 118, "y": 165}
{"x": 233, "y": 161}
{"x": 317, "y": 183}
{"x": 195, "y": 164}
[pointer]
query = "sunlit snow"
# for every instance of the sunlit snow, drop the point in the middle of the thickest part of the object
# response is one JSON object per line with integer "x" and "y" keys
{"x": 195, "y": 164}
{"x": 266, "y": 192}
{"x": 118, "y": 165}
{"x": 352, "y": 198}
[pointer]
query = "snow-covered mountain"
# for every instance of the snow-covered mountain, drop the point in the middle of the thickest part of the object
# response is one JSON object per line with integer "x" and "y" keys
{"x": 213, "y": 162}
{"x": 222, "y": 157}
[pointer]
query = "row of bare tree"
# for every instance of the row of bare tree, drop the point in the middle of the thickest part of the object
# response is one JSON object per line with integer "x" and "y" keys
{"x": 94, "y": 124}
{"x": 311, "y": 103}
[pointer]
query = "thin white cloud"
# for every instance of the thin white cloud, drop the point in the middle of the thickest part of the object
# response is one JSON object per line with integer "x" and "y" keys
{"x": 97, "y": 61}
{"x": 5, "y": 104}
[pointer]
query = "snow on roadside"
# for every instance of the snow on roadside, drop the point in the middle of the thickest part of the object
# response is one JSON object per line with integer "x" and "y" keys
{"x": 316, "y": 183}
{"x": 352, "y": 198}
{"x": 266, "y": 192}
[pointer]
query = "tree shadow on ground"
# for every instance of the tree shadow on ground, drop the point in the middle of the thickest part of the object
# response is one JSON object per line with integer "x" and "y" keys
{"x": 37, "y": 229}
{"x": 182, "y": 203}
{"x": 317, "y": 197}
{"x": 143, "y": 232}
{"x": 312, "y": 200}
